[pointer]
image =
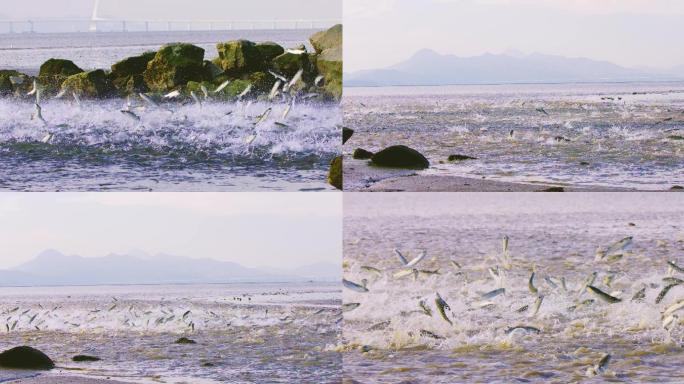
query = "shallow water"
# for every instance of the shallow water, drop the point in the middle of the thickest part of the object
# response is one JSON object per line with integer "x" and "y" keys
{"x": 618, "y": 135}
{"x": 244, "y": 332}
{"x": 557, "y": 237}
{"x": 96, "y": 147}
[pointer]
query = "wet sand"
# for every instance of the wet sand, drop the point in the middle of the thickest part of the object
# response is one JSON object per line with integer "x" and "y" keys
{"x": 359, "y": 176}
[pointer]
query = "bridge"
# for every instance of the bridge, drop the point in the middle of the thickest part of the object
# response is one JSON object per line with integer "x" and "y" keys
{"x": 101, "y": 24}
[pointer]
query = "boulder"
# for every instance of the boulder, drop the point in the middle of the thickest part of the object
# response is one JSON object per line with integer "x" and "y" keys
{"x": 269, "y": 50}
{"x": 84, "y": 358}
{"x": 330, "y": 38}
{"x": 173, "y": 66}
{"x": 93, "y": 84}
{"x": 288, "y": 64}
{"x": 235, "y": 88}
{"x": 6, "y": 87}
{"x": 185, "y": 340}
{"x": 329, "y": 64}
{"x": 346, "y": 134}
{"x": 362, "y": 154}
{"x": 212, "y": 70}
{"x": 127, "y": 74}
{"x": 25, "y": 358}
{"x": 262, "y": 82}
{"x": 461, "y": 157}
{"x": 400, "y": 156}
{"x": 239, "y": 57}
{"x": 53, "y": 73}
{"x": 335, "y": 173}
{"x": 59, "y": 67}
{"x": 553, "y": 189}
{"x": 328, "y": 45}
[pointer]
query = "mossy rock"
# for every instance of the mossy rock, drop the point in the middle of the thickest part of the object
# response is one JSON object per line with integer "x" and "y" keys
{"x": 460, "y": 158}
{"x": 59, "y": 67}
{"x": 329, "y": 64}
{"x": 288, "y": 64}
{"x": 127, "y": 75}
{"x": 93, "y": 84}
{"x": 6, "y": 86}
{"x": 262, "y": 82}
{"x": 173, "y": 66}
{"x": 328, "y": 39}
{"x": 85, "y": 358}
{"x": 235, "y": 88}
{"x": 239, "y": 57}
{"x": 335, "y": 173}
{"x": 185, "y": 340}
{"x": 269, "y": 50}
{"x": 347, "y": 133}
{"x": 212, "y": 70}
{"x": 194, "y": 86}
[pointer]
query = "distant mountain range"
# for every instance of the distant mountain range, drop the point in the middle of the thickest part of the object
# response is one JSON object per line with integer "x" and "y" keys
{"x": 428, "y": 67}
{"x": 54, "y": 268}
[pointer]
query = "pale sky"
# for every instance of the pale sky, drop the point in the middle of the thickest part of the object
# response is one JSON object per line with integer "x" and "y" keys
{"x": 631, "y": 33}
{"x": 278, "y": 230}
{"x": 174, "y": 9}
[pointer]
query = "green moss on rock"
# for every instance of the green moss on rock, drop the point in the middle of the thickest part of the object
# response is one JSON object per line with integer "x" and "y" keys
{"x": 127, "y": 74}
{"x": 329, "y": 64}
{"x": 330, "y": 38}
{"x": 93, "y": 84}
{"x": 335, "y": 173}
{"x": 289, "y": 63}
{"x": 173, "y": 66}
{"x": 59, "y": 67}
{"x": 269, "y": 50}
{"x": 239, "y": 57}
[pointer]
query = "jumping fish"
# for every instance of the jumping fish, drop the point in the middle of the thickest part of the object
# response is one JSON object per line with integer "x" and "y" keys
{"x": 431, "y": 335}
{"x": 130, "y": 114}
{"x": 537, "y": 304}
{"x": 194, "y": 97}
{"x": 245, "y": 92}
{"x": 674, "y": 308}
{"x": 494, "y": 293}
{"x": 288, "y": 109}
{"x": 401, "y": 257}
{"x": 425, "y": 308}
{"x": 204, "y": 90}
{"x": 442, "y": 307}
{"x": 172, "y": 94}
{"x": 600, "y": 367}
{"x": 675, "y": 267}
{"x": 530, "y": 285}
{"x": 221, "y": 87}
{"x": 616, "y": 250}
{"x": 354, "y": 286}
{"x": 148, "y": 100}
{"x": 417, "y": 259}
{"x": 350, "y": 306}
{"x": 640, "y": 295}
{"x": 34, "y": 89}
{"x": 278, "y": 76}
{"x": 526, "y": 328}
{"x": 274, "y": 90}
{"x": 603, "y": 296}
{"x": 664, "y": 292}
{"x": 370, "y": 269}
{"x": 263, "y": 116}
{"x": 318, "y": 81}
{"x": 76, "y": 98}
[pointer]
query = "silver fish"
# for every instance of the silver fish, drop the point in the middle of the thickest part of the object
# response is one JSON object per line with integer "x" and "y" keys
{"x": 442, "y": 306}
{"x": 354, "y": 286}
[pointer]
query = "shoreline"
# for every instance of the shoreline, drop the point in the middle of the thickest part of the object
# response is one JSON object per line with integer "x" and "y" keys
{"x": 361, "y": 177}
{"x": 65, "y": 379}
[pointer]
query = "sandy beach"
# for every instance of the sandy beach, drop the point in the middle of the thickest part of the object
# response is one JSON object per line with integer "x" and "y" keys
{"x": 361, "y": 177}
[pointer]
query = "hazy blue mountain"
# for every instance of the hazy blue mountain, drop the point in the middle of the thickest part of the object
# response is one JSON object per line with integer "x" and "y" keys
{"x": 54, "y": 268}
{"x": 428, "y": 67}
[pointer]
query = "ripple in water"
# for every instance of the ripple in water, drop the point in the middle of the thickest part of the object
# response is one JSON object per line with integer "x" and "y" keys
{"x": 175, "y": 147}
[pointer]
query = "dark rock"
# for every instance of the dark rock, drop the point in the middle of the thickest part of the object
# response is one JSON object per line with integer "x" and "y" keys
{"x": 346, "y": 134}
{"x": 584, "y": 163}
{"x": 208, "y": 364}
{"x": 677, "y": 187}
{"x": 239, "y": 57}
{"x": 59, "y": 67}
{"x": 335, "y": 173}
{"x": 400, "y": 156}
{"x": 93, "y": 84}
{"x": 362, "y": 154}
{"x": 460, "y": 158}
{"x": 675, "y": 137}
{"x": 262, "y": 82}
{"x": 85, "y": 358}
{"x": 173, "y": 66}
{"x": 212, "y": 70}
{"x": 127, "y": 74}
{"x": 53, "y": 73}
{"x": 25, "y": 358}
{"x": 553, "y": 189}
{"x": 288, "y": 64}
{"x": 185, "y": 340}
{"x": 269, "y": 50}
